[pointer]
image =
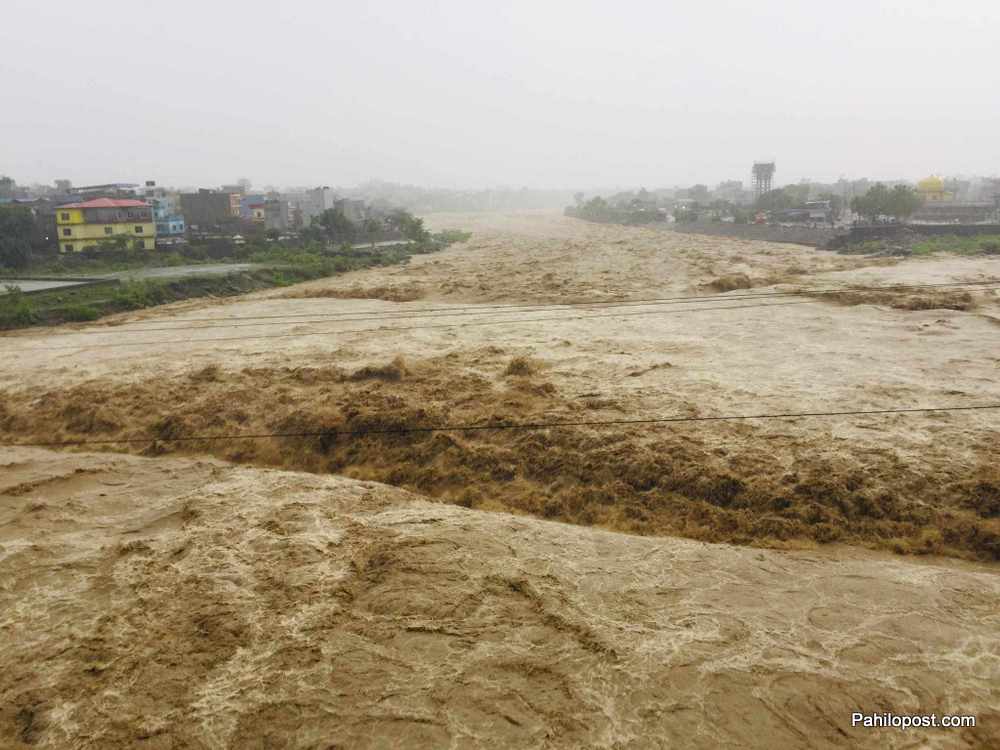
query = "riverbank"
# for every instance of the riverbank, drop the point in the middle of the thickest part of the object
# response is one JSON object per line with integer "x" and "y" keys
{"x": 149, "y": 286}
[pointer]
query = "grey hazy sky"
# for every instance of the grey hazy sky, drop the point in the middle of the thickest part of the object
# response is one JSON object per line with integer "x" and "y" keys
{"x": 466, "y": 93}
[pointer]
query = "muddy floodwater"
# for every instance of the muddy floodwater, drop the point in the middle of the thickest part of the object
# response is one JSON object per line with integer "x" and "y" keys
{"x": 362, "y": 580}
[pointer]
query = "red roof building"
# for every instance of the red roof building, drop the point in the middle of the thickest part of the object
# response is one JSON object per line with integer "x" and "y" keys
{"x": 96, "y": 223}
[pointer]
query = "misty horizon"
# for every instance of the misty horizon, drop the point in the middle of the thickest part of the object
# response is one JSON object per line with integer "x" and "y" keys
{"x": 451, "y": 95}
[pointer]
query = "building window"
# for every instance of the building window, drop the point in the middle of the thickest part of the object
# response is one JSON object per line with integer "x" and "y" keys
{"x": 68, "y": 248}
{"x": 138, "y": 230}
{"x": 108, "y": 230}
{"x": 67, "y": 232}
{"x": 64, "y": 217}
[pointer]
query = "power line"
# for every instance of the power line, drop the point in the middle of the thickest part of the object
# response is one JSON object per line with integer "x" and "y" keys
{"x": 500, "y": 426}
{"x": 302, "y": 334}
{"x": 737, "y": 298}
{"x": 463, "y": 311}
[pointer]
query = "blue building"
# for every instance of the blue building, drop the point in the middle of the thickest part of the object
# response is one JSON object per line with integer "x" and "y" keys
{"x": 170, "y": 227}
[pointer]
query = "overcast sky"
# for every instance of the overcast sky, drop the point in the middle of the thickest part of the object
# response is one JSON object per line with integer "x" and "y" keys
{"x": 466, "y": 93}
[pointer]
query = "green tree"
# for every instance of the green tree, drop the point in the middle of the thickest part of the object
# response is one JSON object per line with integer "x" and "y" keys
{"x": 17, "y": 229}
{"x": 873, "y": 204}
{"x": 797, "y": 194}
{"x": 7, "y": 186}
{"x": 371, "y": 228}
{"x": 901, "y": 202}
{"x": 312, "y": 233}
{"x": 596, "y": 209}
{"x": 15, "y": 310}
{"x": 879, "y": 201}
{"x": 335, "y": 226}
{"x": 775, "y": 200}
{"x": 863, "y": 206}
{"x": 411, "y": 226}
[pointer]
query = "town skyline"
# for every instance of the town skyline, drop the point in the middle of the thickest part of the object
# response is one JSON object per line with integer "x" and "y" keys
{"x": 268, "y": 186}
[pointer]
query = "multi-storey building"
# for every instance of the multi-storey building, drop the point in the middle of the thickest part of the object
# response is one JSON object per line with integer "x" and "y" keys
{"x": 207, "y": 209}
{"x": 314, "y": 202}
{"x": 170, "y": 226}
{"x": 88, "y": 224}
{"x": 355, "y": 210}
{"x": 277, "y": 215}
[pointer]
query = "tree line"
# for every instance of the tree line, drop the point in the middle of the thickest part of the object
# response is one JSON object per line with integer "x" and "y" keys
{"x": 600, "y": 210}
{"x": 880, "y": 202}
{"x": 21, "y": 236}
{"x": 333, "y": 226}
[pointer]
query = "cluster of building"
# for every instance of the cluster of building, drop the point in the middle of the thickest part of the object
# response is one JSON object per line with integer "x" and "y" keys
{"x": 957, "y": 202}
{"x": 147, "y": 216}
{"x": 206, "y": 210}
{"x": 943, "y": 201}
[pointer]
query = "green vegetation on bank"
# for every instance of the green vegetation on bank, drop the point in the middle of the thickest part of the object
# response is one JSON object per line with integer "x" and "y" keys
{"x": 285, "y": 265}
{"x": 99, "y": 262}
{"x": 599, "y": 210}
{"x": 987, "y": 244}
{"x": 451, "y": 236}
{"x": 911, "y": 242}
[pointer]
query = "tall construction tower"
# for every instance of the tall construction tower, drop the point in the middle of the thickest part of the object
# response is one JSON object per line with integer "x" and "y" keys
{"x": 763, "y": 173}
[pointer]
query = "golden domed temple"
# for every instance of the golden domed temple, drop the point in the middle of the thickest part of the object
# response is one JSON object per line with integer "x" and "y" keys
{"x": 941, "y": 207}
{"x": 932, "y": 189}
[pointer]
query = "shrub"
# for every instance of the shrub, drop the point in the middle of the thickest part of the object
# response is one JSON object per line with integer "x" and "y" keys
{"x": 15, "y": 310}
{"x": 80, "y": 313}
{"x": 134, "y": 295}
{"x": 218, "y": 249}
{"x": 449, "y": 236}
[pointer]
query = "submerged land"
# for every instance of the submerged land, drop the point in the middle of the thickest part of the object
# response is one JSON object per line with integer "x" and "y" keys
{"x": 355, "y": 583}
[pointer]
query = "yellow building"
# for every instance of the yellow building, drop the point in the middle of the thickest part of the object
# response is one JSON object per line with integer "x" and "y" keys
{"x": 88, "y": 224}
{"x": 932, "y": 189}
